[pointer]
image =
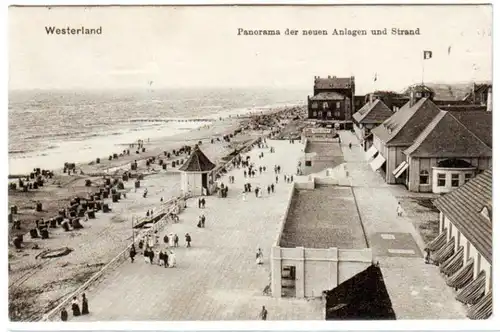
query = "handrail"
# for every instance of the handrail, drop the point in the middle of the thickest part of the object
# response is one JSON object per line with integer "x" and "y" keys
{"x": 118, "y": 258}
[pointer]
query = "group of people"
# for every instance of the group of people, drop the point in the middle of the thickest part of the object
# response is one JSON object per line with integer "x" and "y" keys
{"x": 75, "y": 308}
{"x": 201, "y": 203}
{"x": 166, "y": 257}
{"x": 201, "y": 221}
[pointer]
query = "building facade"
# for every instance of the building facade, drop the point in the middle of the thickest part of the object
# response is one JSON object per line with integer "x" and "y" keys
{"x": 463, "y": 248}
{"x": 333, "y": 100}
{"x": 372, "y": 114}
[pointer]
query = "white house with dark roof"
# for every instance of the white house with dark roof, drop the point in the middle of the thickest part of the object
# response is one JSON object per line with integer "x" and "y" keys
{"x": 372, "y": 114}
{"x": 196, "y": 174}
{"x": 398, "y": 133}
{"x": 463, "y": 249}
{"x": 447, "y": 153}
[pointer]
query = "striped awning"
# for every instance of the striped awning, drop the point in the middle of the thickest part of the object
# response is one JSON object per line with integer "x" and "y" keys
{"x": 371, "y": 152}
{"x": 463, "y": 276}
{"x": 438, "y": 242}
{"x": 473, "y": 292}
{"x": 454, "y": 263}
{"x": 400, "y": 169}
{"x": 482, "y": 309}
{"x": 444, "y": 253}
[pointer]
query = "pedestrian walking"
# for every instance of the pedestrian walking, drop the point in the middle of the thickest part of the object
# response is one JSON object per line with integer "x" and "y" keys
{"x": 188, "y": 240}
{"x": 268, "y": 190}
{"x": 272, "y": 187}
{"x": 176, "y": 240}
{"x": 132, "y": 253}
{"x": 64, "y": 315}
{"x": 399, "y": 210}
{"x": 75, "y": 307}
{"x": 350, "y": 146}
{"x": 85, "y": 305}
{"x": 276, "y": 179}
{"x": 263, "y": 313}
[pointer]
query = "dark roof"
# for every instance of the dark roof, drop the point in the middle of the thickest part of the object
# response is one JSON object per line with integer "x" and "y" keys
{"x": 478, "y": 88}
{"x": 446, "y": 137}
{"x": 375, "y": 112}
{"x": 478, "y": 122}
{"x": 463, "y": 107}
{"x": 333, "y": 83}
{"x": 404, "y": 126}
{"x": 463, "y": 208}
{"x": 363, "y": 296}
{"x": 328, "y": 96}
{"x": 197, "y": 162}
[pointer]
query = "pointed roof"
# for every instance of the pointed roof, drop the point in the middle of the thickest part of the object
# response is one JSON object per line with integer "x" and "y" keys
{"x": 447, "y": 137}
{"x": 404, "y": 126}
{"x": 197, "y": 162}
{"x": 333, "y": 82}
{"x": 331, "y": 95}
{"x": 463, "y": 207}
{"x": 374, "y": 112}
{"x": 364, "y": 296}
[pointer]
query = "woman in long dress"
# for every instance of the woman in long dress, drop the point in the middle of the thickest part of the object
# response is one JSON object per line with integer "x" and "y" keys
{"x": 75, "y": 307}
{"x": 85, "y": 305}
{"x": 171, "y": 259}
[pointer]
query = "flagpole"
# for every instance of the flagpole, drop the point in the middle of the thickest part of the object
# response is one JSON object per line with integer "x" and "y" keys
{"x": 423, "y": 66}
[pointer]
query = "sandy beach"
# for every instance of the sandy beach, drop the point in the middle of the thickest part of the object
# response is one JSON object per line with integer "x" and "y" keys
{"x": 37, "y": 285}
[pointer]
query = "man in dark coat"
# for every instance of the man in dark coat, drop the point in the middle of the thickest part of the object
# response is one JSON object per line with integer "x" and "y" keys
{"x": 132, "y": 253}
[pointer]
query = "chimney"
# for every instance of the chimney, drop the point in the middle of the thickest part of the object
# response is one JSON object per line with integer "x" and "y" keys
{"x": 489, "y": 102}
{"x": 329, "y": 76}
{"x": 412, "y": 97}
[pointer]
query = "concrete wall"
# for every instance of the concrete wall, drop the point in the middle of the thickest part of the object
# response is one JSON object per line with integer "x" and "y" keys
{"x": 317, "y": 270}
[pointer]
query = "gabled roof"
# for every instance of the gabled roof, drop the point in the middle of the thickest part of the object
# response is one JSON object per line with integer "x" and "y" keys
{"x": 197, "y": 162}
{"x": 404, "y": 126}
{"x": 446, "y": 137}
{"x": 333, "y": 83}
{"x": 374, "y": 112}
{"x": 328, "y": 96}
{"x": 479, "y": 122}
{"x": 463, "y": 208}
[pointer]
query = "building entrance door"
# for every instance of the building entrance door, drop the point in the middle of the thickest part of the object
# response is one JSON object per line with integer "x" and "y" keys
{"x": 288, "y": 281}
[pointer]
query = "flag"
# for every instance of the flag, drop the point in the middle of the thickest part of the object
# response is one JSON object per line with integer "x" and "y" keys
{"x": 375, "y": 78}
{"x": 449, "y": 50}
{"x": 427, "y": 55}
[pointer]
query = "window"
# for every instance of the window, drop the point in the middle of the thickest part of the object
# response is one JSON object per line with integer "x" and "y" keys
{"x": 315, "y": 113}
{"x": 455, "y": 180}
{"x": 325, "y": 105}
{"x": 314, "y": 105}
{"x": 308, "y": 163}
{"x": 329, "y": 114}
{"x": 337, "y": 105}
{"x": 418, "y": 95}
{"x": 468, "y": 176}
{"x": 441, "y": 180}
{"x": 424, "y": 177}
{"x": 320, "y": 114}
{"x": 337, "y": 114}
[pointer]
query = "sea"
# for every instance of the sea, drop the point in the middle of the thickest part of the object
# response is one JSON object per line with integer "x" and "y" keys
{"x": 47, "y": 128}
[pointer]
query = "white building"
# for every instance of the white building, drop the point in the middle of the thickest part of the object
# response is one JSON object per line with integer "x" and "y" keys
{"x": 196, "y": 173}
{"x": 463, "y": 249}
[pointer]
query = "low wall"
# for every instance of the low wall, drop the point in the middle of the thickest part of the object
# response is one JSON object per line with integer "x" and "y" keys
{"x": 317, "y": 270}
{"x": 285, "y": 216}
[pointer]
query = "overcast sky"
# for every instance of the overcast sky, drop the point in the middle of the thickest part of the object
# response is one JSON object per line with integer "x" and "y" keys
{"x": 199, "y": 46}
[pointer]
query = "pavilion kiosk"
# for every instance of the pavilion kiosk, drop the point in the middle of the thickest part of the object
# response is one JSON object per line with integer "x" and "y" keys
{"x": 196, "y": 174}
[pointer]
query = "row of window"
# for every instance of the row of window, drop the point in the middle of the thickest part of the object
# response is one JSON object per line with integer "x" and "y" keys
{"x": 325, "y": 105}
{"x": 329, "y": 114}
{"x": 441, "y": 178}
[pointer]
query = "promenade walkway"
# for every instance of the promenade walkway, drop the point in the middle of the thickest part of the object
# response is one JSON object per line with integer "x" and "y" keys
{"x": 417, "y": 290}
{"x": 216, "y": 279}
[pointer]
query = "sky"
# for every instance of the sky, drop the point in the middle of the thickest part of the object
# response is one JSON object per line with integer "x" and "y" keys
{"x": 199, "y": 47}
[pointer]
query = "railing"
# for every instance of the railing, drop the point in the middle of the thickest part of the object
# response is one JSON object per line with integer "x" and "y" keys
{"x": 167, "y": 208}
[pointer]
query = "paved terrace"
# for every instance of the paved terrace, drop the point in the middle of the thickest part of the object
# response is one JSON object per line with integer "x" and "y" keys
{"x": 417, "y": 290}
{"x": 323, "y": 218}
{"x": 216, "y": 279}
